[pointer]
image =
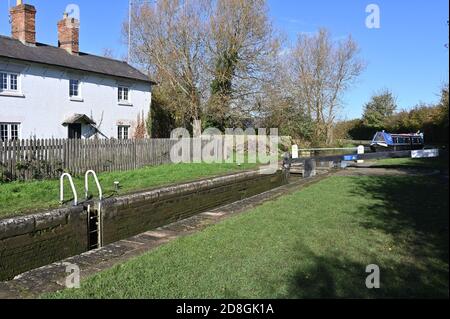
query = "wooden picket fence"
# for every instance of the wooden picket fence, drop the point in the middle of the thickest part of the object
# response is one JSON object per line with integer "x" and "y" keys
{"x": 48, "y": 158}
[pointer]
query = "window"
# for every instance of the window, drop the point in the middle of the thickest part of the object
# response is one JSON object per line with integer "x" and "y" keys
{"x": 74, "y": 88}
{"x": 3, "y": 132}
{"x": 9, "y": 82}
{"x": 123, "y": 94}
{"x": 379, "y": 137}
{"x": 14, "y": 131}
{"x": 9, "y": 131}
{"x": 13, "y": 82}
{"x": 3, "y": 81}
{"x": 122, "y": 132}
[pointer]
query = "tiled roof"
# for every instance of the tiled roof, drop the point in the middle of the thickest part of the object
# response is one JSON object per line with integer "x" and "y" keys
{"x": 50, "y": 55}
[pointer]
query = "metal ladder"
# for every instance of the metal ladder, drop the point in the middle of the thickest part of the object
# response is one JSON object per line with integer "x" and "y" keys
{"x": 95, "y": 226}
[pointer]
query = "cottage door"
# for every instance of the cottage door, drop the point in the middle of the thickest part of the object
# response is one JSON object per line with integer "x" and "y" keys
{"x": 74, "y": 131}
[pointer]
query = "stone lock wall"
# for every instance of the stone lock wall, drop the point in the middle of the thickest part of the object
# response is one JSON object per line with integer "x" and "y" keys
{"x": 124, "y": 217}
{"x": 36, "y": 240}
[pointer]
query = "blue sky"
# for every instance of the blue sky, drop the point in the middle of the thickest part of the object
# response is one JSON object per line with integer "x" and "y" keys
{"x": 406, "y": 55}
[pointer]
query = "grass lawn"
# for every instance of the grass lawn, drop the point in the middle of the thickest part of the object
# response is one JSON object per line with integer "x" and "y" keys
{"x": 311, "y": 244}
{"x": 435, "y": 163}
{"x": 18, "y": 198}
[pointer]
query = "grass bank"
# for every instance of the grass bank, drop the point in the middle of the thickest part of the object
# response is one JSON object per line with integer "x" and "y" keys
{"x": 311, "y": 244}
{"x": 19, "y": 198}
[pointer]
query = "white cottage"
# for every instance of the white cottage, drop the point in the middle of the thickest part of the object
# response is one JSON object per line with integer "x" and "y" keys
{"x": 59, "y": 92}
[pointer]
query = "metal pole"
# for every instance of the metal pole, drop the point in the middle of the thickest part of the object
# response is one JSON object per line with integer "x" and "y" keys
{"x": 129, "y": 30}
{"x": 9, "y": 11}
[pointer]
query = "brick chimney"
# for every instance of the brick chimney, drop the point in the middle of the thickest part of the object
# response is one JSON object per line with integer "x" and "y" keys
{"x": 23, "y": 21}
{"x": 69, "y": 34}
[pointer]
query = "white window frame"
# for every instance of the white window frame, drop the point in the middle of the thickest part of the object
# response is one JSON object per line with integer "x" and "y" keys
{"x": 76, "y": 98}
{"x": 16, "y": 84}
{"x": 9, "y": 131}
{"x": 121, "y": 132}
{"x": 3, "y": 81}
{"x": 120, "y": 95}
{"x": 8, "y": 90}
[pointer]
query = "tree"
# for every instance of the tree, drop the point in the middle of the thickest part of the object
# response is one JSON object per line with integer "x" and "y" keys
{"x": 140, "y": 131}
{"x": 168, "y": 40}
{"x": 161, "y": 121}
{"x": 443, "y": 120}
{"x": 108, "y": 53}
{"x": 242, "y": 46}
{"x": 280, "y": 107}
{"x": 323, "y": 69}
{"x": 379, "y": 109}
{"x": 431, "y": 119}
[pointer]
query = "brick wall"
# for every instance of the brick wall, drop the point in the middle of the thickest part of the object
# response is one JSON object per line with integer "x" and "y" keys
{"x": 69, "y": 35}
{"x": 23, "y": 22}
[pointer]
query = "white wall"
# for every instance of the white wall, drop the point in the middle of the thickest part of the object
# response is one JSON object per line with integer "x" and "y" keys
{"x": 44, "y": 101}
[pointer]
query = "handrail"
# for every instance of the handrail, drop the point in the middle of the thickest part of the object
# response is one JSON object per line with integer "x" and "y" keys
{"x": 86, "y": 184}
{"x": 61, "y": 189}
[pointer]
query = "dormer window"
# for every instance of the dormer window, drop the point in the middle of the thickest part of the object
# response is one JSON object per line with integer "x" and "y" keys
{"x": 123, "y": 94}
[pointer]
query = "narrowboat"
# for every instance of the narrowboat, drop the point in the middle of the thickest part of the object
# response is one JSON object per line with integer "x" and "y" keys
{"x": 383, "y": 141}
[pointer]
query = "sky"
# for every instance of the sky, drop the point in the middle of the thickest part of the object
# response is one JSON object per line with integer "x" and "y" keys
{"x": 406, "y": 54}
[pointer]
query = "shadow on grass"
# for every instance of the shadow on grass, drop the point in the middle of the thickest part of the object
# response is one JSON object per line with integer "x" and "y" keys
{"x": 413, "y": 213}
{"x": 440, "y": 163}
{"x": 413, "y": 210}
{"x": 342, "y": 277}
{"x": 328, "y": 277}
